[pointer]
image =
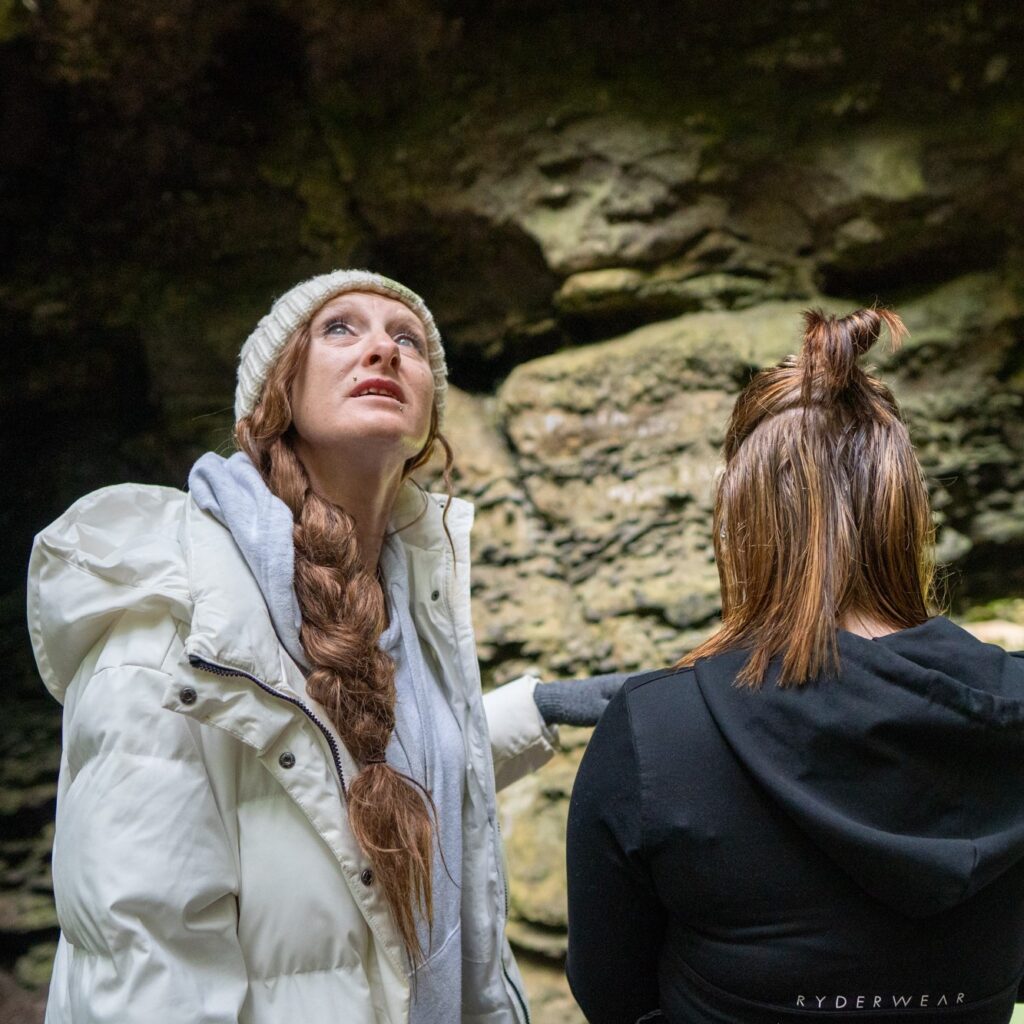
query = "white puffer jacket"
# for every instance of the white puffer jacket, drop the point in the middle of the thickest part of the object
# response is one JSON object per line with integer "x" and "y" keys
{"x": 203, "y": 866}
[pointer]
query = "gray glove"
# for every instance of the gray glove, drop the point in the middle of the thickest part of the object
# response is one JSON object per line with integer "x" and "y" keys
{"x": 577, "y": 701}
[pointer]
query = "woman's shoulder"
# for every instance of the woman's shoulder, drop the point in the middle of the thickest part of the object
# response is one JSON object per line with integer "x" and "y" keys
{"x": 105, "y": 519}
{"x": 125, "y": 534}
{"x": 113, "y": 551}
{"x": 661, "y": 711}
{"x": 658, "y": 691}
{"x": 650, "y": 703}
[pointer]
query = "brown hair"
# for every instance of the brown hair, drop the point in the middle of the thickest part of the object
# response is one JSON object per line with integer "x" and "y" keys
{"x": 343, "y": 616}
{"x": 822, "y": 510}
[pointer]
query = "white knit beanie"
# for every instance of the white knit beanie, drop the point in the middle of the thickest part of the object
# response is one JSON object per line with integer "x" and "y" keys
{"x": 297, "y": 306}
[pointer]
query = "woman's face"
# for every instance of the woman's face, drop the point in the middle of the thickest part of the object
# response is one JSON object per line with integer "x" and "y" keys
{"x": 366, "y": 385}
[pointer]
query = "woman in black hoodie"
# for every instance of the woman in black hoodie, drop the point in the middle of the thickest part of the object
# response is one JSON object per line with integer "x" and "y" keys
{"x": 818, "y": 814}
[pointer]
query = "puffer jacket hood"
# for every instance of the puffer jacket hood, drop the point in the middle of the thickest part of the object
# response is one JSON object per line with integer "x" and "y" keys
{"x": 907, "y": 772}
{"x": 137, "y": 566}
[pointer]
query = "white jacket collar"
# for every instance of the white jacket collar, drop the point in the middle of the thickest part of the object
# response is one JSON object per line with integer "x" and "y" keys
{"x": 231, "y": 626}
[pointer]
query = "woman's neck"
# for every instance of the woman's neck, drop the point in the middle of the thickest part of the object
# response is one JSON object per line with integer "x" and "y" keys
{"x": 366, "y": 492}
{"x": 864, "y": 625}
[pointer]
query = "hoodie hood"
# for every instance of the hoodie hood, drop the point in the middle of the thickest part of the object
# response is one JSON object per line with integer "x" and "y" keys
{"x": 261, "y": 524}
{"x": 907, "y": 769}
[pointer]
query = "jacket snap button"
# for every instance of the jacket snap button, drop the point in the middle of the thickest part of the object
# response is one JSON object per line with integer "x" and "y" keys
{"x": 188, "y": 695}
{"x": 435, "y": 595}
{"x": 366, "y": 877}
{"x": 287, "y": 760}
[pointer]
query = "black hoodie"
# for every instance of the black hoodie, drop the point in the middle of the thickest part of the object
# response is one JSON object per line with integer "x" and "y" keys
{"x": 849, "y": 849}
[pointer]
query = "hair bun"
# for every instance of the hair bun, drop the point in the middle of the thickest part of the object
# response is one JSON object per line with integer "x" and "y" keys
{"x": 832, "y": 346}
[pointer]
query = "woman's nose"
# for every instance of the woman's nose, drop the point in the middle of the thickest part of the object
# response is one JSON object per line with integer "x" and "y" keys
{"x": 382, "y": 350}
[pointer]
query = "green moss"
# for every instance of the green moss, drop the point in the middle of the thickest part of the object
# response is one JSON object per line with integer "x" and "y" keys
{"x": 15, "y": 20}
{"x": 13, "y": 801}
{"x": 27, "y": 912}
{"x": 32, "y": 970}
{"x": 1007, "y": 609}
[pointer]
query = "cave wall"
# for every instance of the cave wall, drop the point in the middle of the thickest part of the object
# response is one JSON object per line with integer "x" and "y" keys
{"x": 616, "y": 213}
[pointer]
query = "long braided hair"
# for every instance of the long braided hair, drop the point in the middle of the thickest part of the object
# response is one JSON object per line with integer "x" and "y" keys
{"x": 343, "y": 615}
{"x": 822, "y": 510}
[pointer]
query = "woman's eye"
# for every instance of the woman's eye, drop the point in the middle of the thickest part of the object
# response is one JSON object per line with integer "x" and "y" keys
{"x": 337, "y": 327}
{"x": 409, "y": 339}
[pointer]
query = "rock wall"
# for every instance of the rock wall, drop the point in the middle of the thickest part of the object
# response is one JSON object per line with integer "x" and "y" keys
{"x": 594, "y": 481}
{"x": 593, "y": 469}
{"x": 617, "y": 214}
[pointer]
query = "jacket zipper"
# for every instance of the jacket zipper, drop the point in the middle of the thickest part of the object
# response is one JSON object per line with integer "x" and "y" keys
{"x": 522, "y": 1002}
{"x": 221, "y": 670}
{"x": 504, "y": 878}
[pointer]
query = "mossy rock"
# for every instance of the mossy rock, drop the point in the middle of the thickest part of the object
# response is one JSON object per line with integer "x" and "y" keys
{"x": 33, "y": 968}
{"x": 27, "y": 913}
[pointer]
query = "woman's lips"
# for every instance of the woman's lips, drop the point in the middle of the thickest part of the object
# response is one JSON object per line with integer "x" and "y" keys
{"x": 378, "y": 386}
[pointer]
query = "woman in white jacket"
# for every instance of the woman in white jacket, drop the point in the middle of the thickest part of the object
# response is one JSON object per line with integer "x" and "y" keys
{"x": 276, "y": 797}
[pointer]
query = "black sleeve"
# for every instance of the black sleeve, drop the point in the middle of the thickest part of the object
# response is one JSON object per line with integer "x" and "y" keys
{"x": 616, "y": 921}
